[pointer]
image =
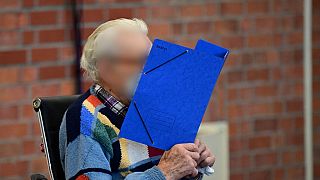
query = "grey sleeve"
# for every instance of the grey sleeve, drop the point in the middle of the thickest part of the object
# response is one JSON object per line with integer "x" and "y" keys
{"x": 153, "y": 173}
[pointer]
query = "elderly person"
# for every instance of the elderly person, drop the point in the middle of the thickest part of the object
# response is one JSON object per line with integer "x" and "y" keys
{"x": 113, "y": 56}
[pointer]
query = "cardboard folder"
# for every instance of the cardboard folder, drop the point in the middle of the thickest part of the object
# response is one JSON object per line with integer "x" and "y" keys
{"x": 173, "y": 93}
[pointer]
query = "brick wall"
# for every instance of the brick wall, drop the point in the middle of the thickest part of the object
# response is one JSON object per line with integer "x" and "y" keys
{"x": 316, "y": 87}
{"x": 260, "y": 91}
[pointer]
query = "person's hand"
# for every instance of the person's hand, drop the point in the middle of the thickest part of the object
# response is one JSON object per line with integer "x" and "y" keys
{"x": 180, "y": 161}
{"x": 206, "y": 157}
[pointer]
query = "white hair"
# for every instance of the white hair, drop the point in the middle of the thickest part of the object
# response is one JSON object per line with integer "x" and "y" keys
{"x": 102, "y": 41}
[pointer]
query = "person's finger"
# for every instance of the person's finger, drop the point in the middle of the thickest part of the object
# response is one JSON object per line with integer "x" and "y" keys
{"x": 204, "y": 155}
{"x": 194, "y": 155}
{"x": 190, "y": 147}
{"x": 195, "y": 172}
{"x": 197, "y": 142}
{"x": 202, "y": 147}
{"x": 191, "y": 161}
{"x": 207, "y": 162}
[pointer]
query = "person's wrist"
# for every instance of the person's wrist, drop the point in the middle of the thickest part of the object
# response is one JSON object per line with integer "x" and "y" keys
{"x": 165, "y": 172}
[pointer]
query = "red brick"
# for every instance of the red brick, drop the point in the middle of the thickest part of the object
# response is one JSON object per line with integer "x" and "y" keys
{"x": 44, "y": 54}
{"x": 198, "y": 27}
{"x": 28, "y": 37}
{"x": 159, "y": 29}
{"x": 211, "y": 9}
{"x": 260, "y": 7}
{"x": 66, "y": 53}
{"x": 261, "y": 109}
{"x": 93, "y": 1}
{"x": 258, "y": 74}
{"x": 9, "y": 21}
{"x": 43, "y": 17}
{"x": 93, "y": 15}
{"x": 9, "y": 150}
{"x": 292, "y": 156}
{"x": 295, "y": 38}
{"x": 8, "y": 113}
{"x": 129, "y": 1}
{"x": 36, "y": 128}
{"x": 234, "y": 129}
{"x": 316, "y": 171}
{"x": 9, "y": 4}
{"x": 9, "y": 38}
{"x": 39, "y": 164}
{"x": 237, "y": 176}
{"x": 232, "y": 94}
{"x": 294, "y": 6}
{"x": 193, "y": 11}
{"x": 237, "y": 144}
{"x": 279, "y": 174}
{"x": 295, "y": 173}
{"x": 265, "y": 159}
{"x": 39, "y": 90}
{"x": 27, "y": 3}
{"x": 51, "y": 2}
{"x": 233, "y": 42}
{"x": 141, "y": 12}
{"x": 294, "y": 105}
{"x": 265, "y": 125}
{"x": 53, "y": 35}
{"x": 15, "y": 168}
{"x": 29, "y": 74}
{"x": 67, "y": 17}
{"x": 276, "y": 74}
{"x": 231, "y": 8}
{"x": 240, "y": 161}
{"x": 266, "y": 24}
{"x": 259, "y": 142}
{"x": 258, "y": 41}
{"x": 52, "y": 72}
{"x": 294, "y": 139}
{"x": 245, "y": 93}
{"x": 293, "y": 72}
{"x": 30, "y": 147}
{"x": 235, "y": 76}
{"x": 235, "y": 111}
{"x": 226, "y": 26}
{"x": 86, "y": 32}
{"x": 266, "y": 91}
{"x": 177, "y": 28}
{"x": 27, "y": 111}
{"x": 16, "y": 130}
{"x": 12, "y": 57}
{"x": 261, "y": 175}
{"x": 163, "y": 12}
{"x": 67, "y": 88}
{"x": 9, "y": 75}
{"x": 247, "y": 24}
{"x": 13, "y": 94}
{"x": 187, "y": 43}
{"x": 115, "y": 13}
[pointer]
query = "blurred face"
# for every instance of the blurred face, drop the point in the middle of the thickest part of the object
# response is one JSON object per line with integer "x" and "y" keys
{"x": 118, "y": 71}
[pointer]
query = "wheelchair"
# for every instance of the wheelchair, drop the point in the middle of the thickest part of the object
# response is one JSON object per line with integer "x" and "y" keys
{"x": 50, "y": 111}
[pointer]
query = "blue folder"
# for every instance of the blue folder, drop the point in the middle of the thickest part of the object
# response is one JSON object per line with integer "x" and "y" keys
{"x": 173, "y": 93}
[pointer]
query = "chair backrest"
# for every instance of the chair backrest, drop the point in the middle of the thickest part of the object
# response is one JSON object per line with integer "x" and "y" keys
{"x": 50, "y": 111}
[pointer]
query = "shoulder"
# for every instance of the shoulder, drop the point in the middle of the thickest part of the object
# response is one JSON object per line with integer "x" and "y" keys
{"x": 72, "y": 117}
{"x": 83, "y": 118}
